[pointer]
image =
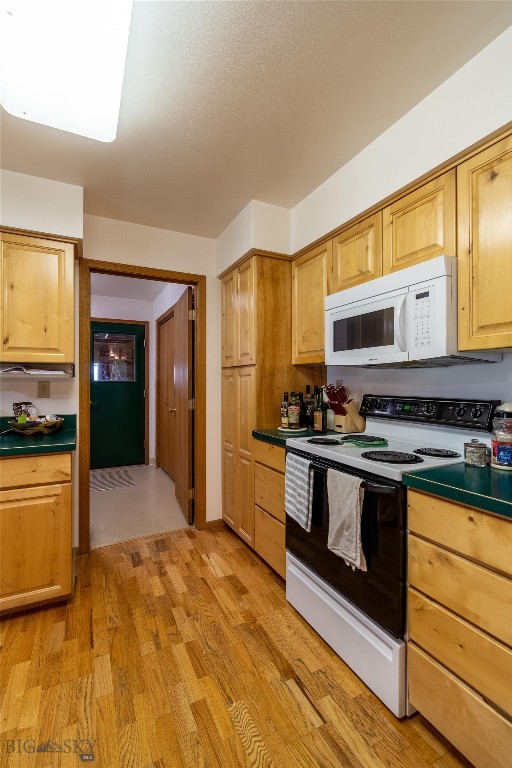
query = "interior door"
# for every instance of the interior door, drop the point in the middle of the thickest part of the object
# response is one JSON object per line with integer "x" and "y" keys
{"x": 117, "y": 394}
{"x": 184, "y": 403}
{"x": 166, "y": 415}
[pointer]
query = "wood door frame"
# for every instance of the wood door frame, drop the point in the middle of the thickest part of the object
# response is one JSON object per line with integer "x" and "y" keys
{"x": 145, "y": 323}
{"x": 128, "y": 270}
{"x": 159, "y": 321}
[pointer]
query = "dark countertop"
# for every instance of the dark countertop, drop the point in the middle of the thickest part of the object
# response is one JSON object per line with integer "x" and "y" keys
{"x": 279, "y": 438}
{"x": 61, "y": 441}
{"x": 482, "y": 487}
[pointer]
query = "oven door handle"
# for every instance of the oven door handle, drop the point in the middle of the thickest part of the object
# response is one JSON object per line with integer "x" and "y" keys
{"x": 374, "y": 488}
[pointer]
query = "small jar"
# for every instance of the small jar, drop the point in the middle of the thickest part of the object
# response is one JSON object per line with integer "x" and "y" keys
{"x": 475, "y": 453}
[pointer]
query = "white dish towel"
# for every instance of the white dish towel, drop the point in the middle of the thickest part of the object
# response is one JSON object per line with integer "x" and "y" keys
{"x": 345, "y": 506}
{"x": 298, "y": 490}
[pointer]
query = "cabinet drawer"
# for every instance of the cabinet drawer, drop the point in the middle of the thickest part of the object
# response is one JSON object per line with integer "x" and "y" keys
{"x": 477, "y": 730}
{"x": 478, "y": 535}
{"x": 269, "y": 491}
{"x": 35, "y": 470}
{"x": 271, "y": 455}
{"x": 472, "y": 655}
{"x": 269, "y": 539}
{"x": 482, "y": 597}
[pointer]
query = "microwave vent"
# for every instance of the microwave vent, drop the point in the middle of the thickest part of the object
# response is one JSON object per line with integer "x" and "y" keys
{"x": 438, "y": 362}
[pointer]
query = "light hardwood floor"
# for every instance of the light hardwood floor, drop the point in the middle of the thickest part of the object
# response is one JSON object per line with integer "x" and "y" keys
{"x": 180, "y": 651}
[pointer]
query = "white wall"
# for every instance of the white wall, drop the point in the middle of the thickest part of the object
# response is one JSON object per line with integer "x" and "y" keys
{"x": 258, "y": 225}
{"x": 470, "y": 105}
{"x": 121, "y": 242}
{"x": 40, "y": 205}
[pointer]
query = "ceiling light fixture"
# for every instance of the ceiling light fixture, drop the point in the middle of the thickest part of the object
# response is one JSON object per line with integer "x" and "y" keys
{"x": 62, "y": 63}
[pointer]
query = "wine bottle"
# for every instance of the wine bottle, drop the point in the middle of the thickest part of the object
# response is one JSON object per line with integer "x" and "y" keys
{"x": 284, "y": 411}
{"x": 320, "y": 414}
{"x": 294, "y": 412}
{"x": 310, "y": 405}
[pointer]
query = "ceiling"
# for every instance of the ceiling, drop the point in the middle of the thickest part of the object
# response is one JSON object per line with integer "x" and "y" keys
{"x": 224, "y": 102}
{"x": 125, "y": 287}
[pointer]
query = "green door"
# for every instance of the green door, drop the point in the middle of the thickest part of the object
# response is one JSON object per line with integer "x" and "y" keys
{"x": 117, "y": 394}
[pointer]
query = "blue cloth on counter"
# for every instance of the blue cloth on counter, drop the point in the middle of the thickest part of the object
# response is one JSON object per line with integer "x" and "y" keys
{"x": 298, "y": 490}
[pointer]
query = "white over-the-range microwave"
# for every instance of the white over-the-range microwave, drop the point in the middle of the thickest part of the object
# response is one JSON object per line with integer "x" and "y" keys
{"x": 406, "y": 319}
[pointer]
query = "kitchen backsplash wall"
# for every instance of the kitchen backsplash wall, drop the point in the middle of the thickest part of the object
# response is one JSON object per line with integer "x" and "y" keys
{"x": 490, "y": 381}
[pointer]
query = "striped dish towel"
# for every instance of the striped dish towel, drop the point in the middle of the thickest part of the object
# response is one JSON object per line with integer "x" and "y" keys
{"x": 298, "y": 489}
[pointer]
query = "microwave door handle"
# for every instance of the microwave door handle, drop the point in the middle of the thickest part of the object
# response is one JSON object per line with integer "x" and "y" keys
{"x": 400, "y": 312}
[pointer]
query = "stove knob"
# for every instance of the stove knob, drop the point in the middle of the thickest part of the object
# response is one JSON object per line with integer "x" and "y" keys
{"x": 460, "y": 411}
{"x": 476, "y": 413}
{"x": 429, "y": 409}
{"x": 378, "y": 403}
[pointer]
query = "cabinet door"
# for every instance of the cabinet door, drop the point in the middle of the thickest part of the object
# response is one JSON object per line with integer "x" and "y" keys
{"x": 228, "y": 320}
{"x": 484, "y": 209}
{"x": 420, "y": 225}
{"x": 35, "y": 545}
{"x": 245, "y": 334}
{"x": 244, "y": 468}
{"x": 36, "y": 321}
{"x": 356, "y": 255}
{"x": 309, "y": 288}
{"x": 228, "y": 394}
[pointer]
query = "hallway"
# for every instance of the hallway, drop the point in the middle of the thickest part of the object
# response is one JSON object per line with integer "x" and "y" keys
{"x": 130, "y": 502}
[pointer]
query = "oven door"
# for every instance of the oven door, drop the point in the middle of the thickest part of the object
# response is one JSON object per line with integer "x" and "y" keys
{"x": 367, "y": 332}
{"x": 380, "y": 591}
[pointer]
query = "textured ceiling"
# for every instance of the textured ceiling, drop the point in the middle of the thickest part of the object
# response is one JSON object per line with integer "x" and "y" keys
{"x": 224, "y": 102}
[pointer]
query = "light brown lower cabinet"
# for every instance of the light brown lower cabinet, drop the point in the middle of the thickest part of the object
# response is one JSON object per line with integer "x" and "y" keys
{"x": 459, "y": 606}
{"x": 269, "y": 514}
{"x": 35, "y": 530}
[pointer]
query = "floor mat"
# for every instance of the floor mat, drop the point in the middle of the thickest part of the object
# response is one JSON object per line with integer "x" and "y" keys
{"x": 110, "y": 479}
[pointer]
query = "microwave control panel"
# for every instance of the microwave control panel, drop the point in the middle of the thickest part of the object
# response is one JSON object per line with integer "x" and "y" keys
{"x": 472, "y": 414}
{"x": 422, "y": 318}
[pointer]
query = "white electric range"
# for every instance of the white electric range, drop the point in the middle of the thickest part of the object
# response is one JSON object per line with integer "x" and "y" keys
{"x": 361, "y": 614}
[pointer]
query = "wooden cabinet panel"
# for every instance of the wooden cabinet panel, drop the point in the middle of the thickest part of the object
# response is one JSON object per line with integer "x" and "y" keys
{"x": 245, "y": 409}
{"x": 37, "y": 310}
{"x": 309, "y": 288}
{"x": 35, "y": 545}
{"x": 356, "y": 255}
{"x": 244, "y": 496}
{"x": 269, "y": 540}
{"x": 480, "y": 661}
{"x": 482, "y": 597}
{"x": 229, "y": 507}
{"x": 245, "y": 335}
{"x": 460, "y": 714}
{"x": 420, "y": 225}
{"x": 269, "y": 491}
{"x": 484, "y": 205}
{"x": 228, "y": 320}
{"x": 271, "y": 455}
{"x": 478, "y": 535}
{"x": 24, "y": 471}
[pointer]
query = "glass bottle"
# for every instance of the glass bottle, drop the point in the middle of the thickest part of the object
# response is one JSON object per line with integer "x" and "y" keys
{"x": 501, "y": 438}
{"x": 284, "y": 411}
{"x": 309, "y": 408}
{"x": 320, "y": 414}
{"x": 294, "y": 412}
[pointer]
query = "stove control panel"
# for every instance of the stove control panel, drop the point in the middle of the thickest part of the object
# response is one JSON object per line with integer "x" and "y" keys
{"x": 467, "y": 414}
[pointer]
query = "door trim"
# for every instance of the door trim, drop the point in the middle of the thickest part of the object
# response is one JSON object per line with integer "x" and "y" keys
{"x": 145, "y": 323}
{"x": 159, "y": 321}
{"x": 128, "y": 270}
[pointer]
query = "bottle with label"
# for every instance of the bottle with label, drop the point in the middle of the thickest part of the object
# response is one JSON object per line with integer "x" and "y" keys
{"x": 294, "y": 412}
{"x": 501, "y": 438}
{"x": 309, "y": 408}
{"x": 284, "y": 411}
{"x": 320, "y": 413}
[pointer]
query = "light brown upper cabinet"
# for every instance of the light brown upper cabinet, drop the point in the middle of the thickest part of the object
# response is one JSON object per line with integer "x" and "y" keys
{"x": 37, "y": 309}
{"x": 420, "y": 225}
{"x": 238, "y": 328}
{"x": 484, "y": 204}
{"x": 356, "y": 255}
{"x": 309, "y": 288}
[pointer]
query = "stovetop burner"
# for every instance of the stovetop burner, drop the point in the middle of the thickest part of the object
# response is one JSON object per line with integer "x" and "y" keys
{"x": 437, "y": 453}
{"x": 392, "y": 457}
{"x": 361, "y": 436}
{"x": 323, "y": 441}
